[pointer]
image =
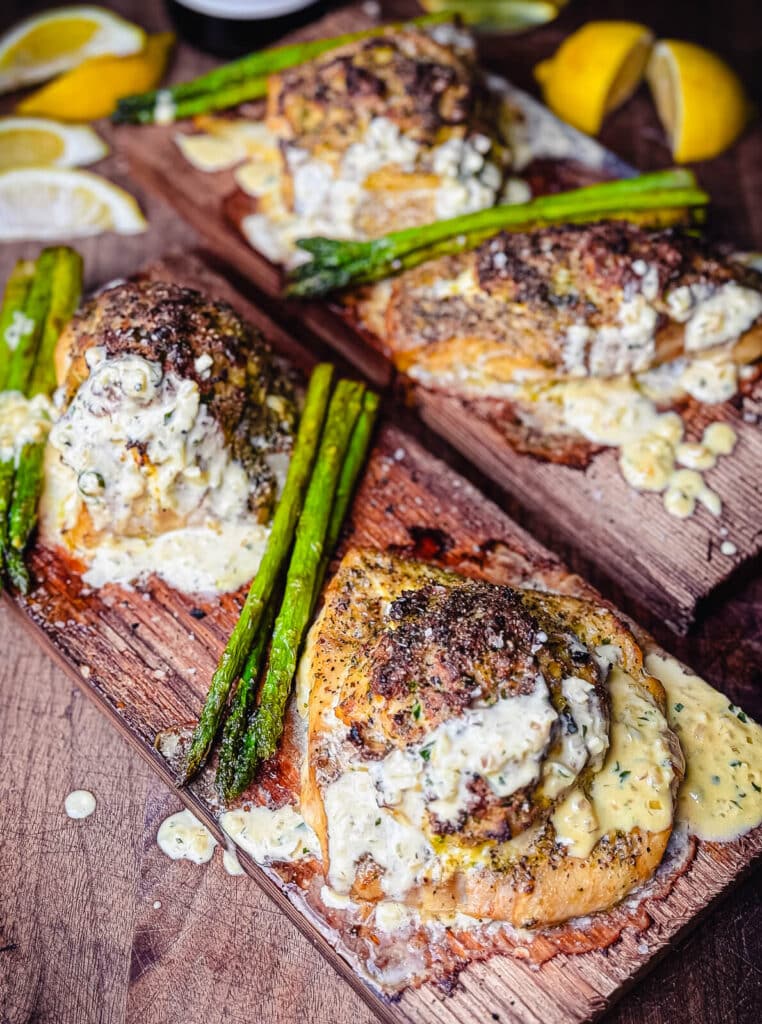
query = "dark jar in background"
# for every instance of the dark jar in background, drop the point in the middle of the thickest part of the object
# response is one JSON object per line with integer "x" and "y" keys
{"x": 229, "y": 28}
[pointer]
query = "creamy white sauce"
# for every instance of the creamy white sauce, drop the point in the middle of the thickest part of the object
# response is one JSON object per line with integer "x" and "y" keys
{"x": 79, "y": 804}
{"x": 722, "y": 317}
{"x": 139, "y": 455}
{"x": 503, "y": 743}
{"x": 231, "y": 864}
{"x": 326, "y": 199}
{"x": 381, "y": 808}
{"x": 624, "y": 347}
{"x": 358, "y": 827}
{"x": 200, "y": 559}
{"x": 391, "y": 916}
{"x": 633, "y": 787}
{"x": 271, "y": 835}
{"x": 720, "y": 797}
{"x": 181, "y": 836}
{"x": 585, "y": 745}
{"x": 336, "y": 900}
{"x": 22, "y": 421}
{"x": 652, "y": 453}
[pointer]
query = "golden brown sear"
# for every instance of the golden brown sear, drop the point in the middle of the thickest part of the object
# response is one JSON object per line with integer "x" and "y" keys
{"x": 589, "y": 300}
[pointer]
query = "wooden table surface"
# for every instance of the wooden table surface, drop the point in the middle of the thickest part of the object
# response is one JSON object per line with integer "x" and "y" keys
{"x": 96, "y": 925}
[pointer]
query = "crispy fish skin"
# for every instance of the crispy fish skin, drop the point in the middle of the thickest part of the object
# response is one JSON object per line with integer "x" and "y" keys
{"x": 514, "y": 300}
{"x": 175, "y": 327}
{"x": 357, "y": 712}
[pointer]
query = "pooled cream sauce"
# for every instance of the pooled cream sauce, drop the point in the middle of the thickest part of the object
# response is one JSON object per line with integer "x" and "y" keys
{"x": 632, "y": 789}
{"x": 181, "y": 836}
{"x": 268, "y": 835}
{"x": 653, "y": 455}
{"x": 721, "y": 795}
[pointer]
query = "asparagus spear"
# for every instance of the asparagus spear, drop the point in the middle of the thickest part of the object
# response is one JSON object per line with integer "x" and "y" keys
{"x": 499, "y": 15}
{"x": 214, "y": 90}
{"x": 52, "y": 297}
{"x": 12, "y": 316}
{"x": 65, "y": 293}
{"x": 22, "y": 516}
{"x": 7, "y": 472}
{"x": 243, "y": 704}
{"x": 35, "y": 311}
{"x": 337, "y": 264}
{"x": 260, "y": 592}
{"x": 17, "y": 571}
{"x": 353, "y": 463}
{"x": 266, "y": 724}
{"x": 221, "y": 99}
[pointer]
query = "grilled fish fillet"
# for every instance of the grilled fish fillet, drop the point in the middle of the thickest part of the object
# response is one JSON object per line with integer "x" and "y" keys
{"x": 559, "y": 303}
{"x": 379, "y": 134}
{"x": 189, "y": 401}
{"x": 454, "y": 726}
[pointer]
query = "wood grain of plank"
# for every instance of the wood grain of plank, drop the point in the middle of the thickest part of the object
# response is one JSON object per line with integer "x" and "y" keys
{"x": 81, "y": 940}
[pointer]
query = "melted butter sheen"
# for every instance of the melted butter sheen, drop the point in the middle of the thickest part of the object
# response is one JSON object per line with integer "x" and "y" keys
{"x": 632, "y": 789}
{"x": 721, "y": 795}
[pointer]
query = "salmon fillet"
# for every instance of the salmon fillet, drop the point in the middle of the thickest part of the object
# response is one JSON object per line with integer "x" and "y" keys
{"x": 237, "y": 384}
{"x": 565, "y": 302}
{"x": 406, "y": 670}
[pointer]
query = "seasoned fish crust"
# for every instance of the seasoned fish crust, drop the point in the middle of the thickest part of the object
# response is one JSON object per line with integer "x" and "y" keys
{"x": 428, "y": 90}
{"x": 549, "y": 304}
{"x": 387, "y": 623}
{"x": 244, "y": 389}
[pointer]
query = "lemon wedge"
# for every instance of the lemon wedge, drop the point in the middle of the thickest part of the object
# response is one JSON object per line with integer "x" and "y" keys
{"x": 594, "y": 71}
{"x": 36, "y": 142}
{"x": 92, "y": 89}
{"x": 51, "y": 202}
{"x": 54, "y": 41}
{"x": 700, "y": 100}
